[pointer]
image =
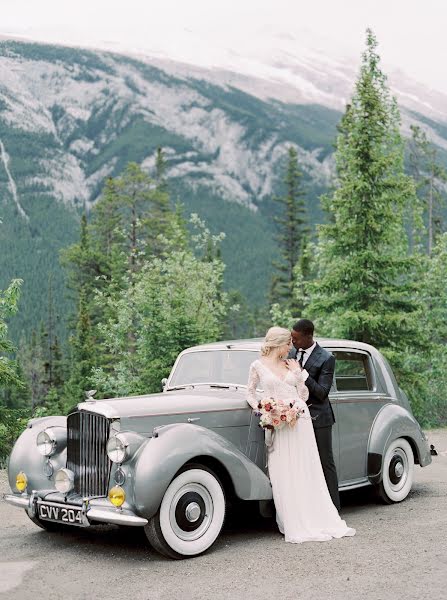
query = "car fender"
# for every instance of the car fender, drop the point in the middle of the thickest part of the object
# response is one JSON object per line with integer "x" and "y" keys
{"x": 174, "y": 445}
{"x": 394, "y": 421}
{"x": 25, "y": 456}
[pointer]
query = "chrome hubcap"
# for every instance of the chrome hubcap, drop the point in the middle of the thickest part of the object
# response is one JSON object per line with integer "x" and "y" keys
{"x": 192, "y": 512}
{"x": 398, "y": 468}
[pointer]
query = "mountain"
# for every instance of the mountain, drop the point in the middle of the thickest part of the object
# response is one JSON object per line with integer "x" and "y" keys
{"x": 70, "y": 117}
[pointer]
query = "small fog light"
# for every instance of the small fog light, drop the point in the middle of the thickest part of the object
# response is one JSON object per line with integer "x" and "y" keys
{"x": 21, "y": 481}
{"x": 64, "y": 481}
{"x": 117, "y": 496}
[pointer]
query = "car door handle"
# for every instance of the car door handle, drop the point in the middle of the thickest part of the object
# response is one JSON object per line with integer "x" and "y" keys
{"x": 193, "y": 419}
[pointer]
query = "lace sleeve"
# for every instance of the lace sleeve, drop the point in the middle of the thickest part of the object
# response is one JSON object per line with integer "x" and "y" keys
{"x": 253, "y": 380}
{"x": 300, "y": 385}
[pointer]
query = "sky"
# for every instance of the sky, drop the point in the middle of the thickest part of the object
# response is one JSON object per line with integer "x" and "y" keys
{"x": 411, "y": 33}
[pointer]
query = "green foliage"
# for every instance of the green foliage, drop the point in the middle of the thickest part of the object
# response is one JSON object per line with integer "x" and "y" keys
{"x": 430, "y": 177}
{"x": 282, "y": 317}
{"x": 368, "y": 287}
{"x": 291, "y": 235}
{"x": 364, "y": 289}
{"x": 132, "y": 223}
{"x": 12, "y": 423}
{"x": 8, "y": 306}
{"x": 175, "y": 301}
{"x": 427, "y": 368}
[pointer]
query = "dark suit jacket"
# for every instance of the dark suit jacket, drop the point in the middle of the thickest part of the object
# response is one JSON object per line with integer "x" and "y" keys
{"x": 320, "y": 365}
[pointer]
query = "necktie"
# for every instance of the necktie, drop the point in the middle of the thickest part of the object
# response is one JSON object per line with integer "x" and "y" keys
{"x": 300, "y": 360}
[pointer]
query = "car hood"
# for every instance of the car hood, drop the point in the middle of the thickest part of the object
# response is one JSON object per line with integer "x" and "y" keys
{"x": 200, "y": 399}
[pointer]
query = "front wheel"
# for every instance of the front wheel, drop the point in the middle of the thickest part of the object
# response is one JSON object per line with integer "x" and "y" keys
{"x": 397, "y": 472}
{"x": 190, "y": 516}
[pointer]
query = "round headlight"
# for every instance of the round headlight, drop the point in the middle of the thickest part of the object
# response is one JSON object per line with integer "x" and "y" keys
{"x": 64, "y": 481}
{"x": 46, "y": 442}
{"x": 21, "y": 481}
{"x": 116, "y": 448}
{"x": 117, "y": 496}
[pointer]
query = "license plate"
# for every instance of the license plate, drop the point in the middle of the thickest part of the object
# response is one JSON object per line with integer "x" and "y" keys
{"x": 71, "y": 515}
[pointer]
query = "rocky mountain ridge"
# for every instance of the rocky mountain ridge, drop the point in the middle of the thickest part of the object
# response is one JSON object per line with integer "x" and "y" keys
{"x": 70, "y": 117}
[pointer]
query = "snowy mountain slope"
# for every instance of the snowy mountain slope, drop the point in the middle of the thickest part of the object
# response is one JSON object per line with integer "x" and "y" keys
{"x": 71, "y": 117}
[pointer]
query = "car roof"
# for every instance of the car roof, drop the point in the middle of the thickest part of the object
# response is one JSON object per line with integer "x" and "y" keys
{"x": 255, "y": 344}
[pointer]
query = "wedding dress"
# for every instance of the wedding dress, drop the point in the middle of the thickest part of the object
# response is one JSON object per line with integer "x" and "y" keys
{"x": 304, "y": 509}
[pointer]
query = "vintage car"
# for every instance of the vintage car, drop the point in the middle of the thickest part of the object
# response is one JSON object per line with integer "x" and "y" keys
{"x": 171, "y": 462}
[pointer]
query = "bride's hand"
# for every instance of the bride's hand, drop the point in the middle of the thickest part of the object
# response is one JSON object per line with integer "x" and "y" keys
{"x": 293, "y": 365}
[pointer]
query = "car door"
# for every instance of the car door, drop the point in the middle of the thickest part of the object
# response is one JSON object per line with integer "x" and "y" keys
{"x": 335, "y": 433}
{"x": 357, "y": 398}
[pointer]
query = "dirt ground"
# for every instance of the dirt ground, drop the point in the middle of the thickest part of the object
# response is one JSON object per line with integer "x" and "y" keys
{"x": 399, "y": 552}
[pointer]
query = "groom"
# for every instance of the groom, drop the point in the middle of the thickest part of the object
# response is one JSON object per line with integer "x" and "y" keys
{"x": 318, "y": 370}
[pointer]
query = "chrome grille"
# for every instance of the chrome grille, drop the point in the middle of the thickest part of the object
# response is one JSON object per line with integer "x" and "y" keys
{"x": 87, "y": 436}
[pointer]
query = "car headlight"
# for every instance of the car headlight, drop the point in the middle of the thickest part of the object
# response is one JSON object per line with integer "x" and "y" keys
{"x": 21, "y": 481}
{"x": 46, "y": 442}
{"x": 117, "y": 448}
{"x": 64, "y": 481}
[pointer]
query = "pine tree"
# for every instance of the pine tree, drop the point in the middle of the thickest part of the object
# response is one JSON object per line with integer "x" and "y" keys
{"x": 291, "y": 236}
{"x": 8, "y": 306}
{"x": 363, "y": 290}
{"x": 83, "y": 351}
{"x": 160, "y": 171}
{"x": 52, "y": 353}
{"x": 430, "y": 177}
{"x": 130, "y": 225}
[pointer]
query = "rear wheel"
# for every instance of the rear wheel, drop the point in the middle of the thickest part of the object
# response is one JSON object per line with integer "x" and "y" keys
{"x": 397, "y": 472}
{"x": 190, "y": 516}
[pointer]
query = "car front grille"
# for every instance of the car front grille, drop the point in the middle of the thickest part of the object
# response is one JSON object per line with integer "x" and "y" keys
{"x": 87, "y": 436}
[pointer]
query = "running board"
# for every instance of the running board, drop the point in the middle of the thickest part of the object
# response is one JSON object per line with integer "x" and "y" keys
{"x": 354, "y": 485}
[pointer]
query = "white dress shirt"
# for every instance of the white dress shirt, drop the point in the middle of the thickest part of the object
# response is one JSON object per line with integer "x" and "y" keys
{"x": 306, "y": 355}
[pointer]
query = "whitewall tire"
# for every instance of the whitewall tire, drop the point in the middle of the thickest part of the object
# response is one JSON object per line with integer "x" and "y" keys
{"x": 190, "y": 516}
{"x": 397, "y": 472}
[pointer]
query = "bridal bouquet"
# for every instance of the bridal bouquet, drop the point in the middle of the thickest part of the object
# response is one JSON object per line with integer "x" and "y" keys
{"x": 275, "y": 414}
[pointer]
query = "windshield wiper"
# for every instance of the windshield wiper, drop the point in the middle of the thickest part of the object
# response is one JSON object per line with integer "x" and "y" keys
{"x": 181, "y": 387}
{"x": 221, "y": 386}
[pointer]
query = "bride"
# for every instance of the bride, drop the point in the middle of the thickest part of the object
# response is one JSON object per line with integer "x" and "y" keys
{"x": 304, "y": 509}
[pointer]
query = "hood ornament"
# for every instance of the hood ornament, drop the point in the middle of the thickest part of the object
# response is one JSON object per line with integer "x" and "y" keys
{"x": 89, "y": 395}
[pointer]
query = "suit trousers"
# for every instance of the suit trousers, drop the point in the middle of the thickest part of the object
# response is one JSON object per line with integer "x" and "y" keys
{"x": 323, "y": 436}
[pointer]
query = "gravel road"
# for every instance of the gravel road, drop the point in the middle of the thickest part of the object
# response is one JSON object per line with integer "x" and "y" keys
{"x": 399, "y": 552}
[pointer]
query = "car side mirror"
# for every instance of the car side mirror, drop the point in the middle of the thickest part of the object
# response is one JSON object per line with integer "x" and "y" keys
{"x": 164, "y": 381}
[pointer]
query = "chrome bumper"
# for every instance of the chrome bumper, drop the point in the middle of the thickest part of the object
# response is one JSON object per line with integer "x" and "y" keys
{"x": 21, "y": 501}
{"x": 96, "y": 510}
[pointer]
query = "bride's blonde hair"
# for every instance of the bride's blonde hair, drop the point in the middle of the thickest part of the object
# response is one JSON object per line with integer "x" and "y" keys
{"x": 274, "y": 338}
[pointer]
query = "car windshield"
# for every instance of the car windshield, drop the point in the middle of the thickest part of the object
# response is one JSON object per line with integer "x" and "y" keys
{"x": 213, "y": 366}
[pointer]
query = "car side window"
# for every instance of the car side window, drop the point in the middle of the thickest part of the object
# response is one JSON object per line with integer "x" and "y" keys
{"x": 352, "y": 371}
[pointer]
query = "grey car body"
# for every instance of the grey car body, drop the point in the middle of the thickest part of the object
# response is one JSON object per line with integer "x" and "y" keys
{"x": 188, "y": 450}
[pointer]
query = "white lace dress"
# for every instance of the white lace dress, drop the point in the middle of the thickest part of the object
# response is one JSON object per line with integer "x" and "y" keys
{"x": 304, "y": 509}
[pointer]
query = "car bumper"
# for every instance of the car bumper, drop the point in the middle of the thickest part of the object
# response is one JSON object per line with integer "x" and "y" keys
{"x": 94, "y": 511}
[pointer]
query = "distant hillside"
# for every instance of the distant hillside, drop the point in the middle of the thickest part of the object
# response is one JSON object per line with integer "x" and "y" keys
{"x": 70, "y": 117}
